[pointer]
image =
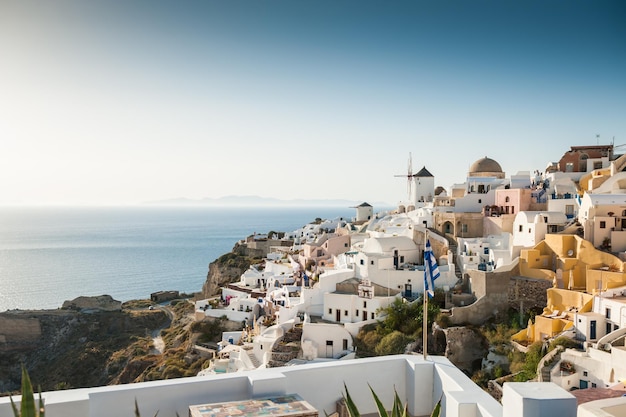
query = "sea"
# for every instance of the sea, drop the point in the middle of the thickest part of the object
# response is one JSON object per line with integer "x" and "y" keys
{"x": 52, "y": 254}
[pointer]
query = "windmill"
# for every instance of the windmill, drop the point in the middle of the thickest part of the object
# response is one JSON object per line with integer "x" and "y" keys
{"x": 409, "y": 178}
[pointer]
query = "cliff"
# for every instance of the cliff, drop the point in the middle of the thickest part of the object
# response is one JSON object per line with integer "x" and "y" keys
{"x": 68, "y": 348}
{"x": 226, "y": 269}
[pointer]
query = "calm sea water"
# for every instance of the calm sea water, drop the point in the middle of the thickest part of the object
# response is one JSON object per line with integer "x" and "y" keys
{"x": 49, "y": 255}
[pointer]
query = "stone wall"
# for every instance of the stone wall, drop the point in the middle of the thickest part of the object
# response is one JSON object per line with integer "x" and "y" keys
{"x": 496, "y": 292}
{"x": 18, "y": 332}
{"x": 527, "y": 293}
{"x": 491, "y": 290}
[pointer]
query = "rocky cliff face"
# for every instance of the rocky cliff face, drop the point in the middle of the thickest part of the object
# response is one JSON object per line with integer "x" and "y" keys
{"x": 98, "y": 303}
{"x": 68, "y": 348}
{"x": 465, "y": 348}
{"x": 226, "y": 269}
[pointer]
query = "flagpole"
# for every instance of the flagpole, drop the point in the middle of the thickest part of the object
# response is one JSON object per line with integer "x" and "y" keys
{"x": 425, "y": 306}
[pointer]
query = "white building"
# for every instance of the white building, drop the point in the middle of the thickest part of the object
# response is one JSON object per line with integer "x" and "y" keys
{"x": 531, "y": 227}
{"x": 418, "y": 382}
{"x": 603, "y": 217}
{"x": 487, "y": 253}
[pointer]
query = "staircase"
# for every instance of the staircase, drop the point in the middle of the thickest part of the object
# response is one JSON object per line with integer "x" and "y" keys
{"x": 547, "y": 363}
{"x": 452, "y": 246}
{"x": 250, "y": 352}
{"x": 287, "y": 348}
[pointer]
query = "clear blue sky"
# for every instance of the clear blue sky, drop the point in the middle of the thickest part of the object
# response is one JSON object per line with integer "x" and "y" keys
{"x": 119, "y": 102}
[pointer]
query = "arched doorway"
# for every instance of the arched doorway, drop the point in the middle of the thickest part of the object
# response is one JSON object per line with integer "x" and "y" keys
{"x": 448, "y": 228}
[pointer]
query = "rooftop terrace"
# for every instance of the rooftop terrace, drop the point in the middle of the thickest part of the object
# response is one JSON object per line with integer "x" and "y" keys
{"x": 419, "y": 382}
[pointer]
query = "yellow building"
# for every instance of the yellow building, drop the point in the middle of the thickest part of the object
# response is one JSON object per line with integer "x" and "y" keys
{"x": 578, "y": 271}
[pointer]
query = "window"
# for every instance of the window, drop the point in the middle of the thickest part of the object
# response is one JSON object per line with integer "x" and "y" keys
{"x": 402, "y": 259}
{"x": 345, "y": 312}
{"x": 607, "y": 313}
{"x": 330, "y": 311}
{"x": 480, "y": 201}
{"x": 372, "y": 316}
{"x": 329, "y": 343}
{"x": 584, "y": 373}
{"x": 319, "y": 253}
{"x": 569, "y": 167}
{"x": 507, "y": 199}
{"x": 345, "y": 344}
{"x": 569, "y": 209}
{"x": 521, "y": 228}
{"x": 464, "y": 228}
{"x": 364, "y": 304}
{"x": 362, "y": 262}
{"x": 371, "y": 262}
{"x": 602, "y": 224}
{"x": 597, "y": 165}
{"x": 345, "y": 245}
{"x": 357, "y": 313}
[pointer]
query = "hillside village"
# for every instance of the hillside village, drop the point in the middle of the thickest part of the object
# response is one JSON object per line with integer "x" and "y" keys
{"x": 552, "y": 242}
{"x": 549, "y": 246}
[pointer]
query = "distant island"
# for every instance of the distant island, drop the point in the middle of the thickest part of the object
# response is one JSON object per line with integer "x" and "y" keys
{"x": 256, "y": 201}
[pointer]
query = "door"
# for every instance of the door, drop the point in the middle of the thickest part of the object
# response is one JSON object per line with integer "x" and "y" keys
{"x": 364, "y": 315}
{"x": 337, "y": 315}
{"x": 329, "y": 349}
{"x": 408, "y": 290}
{"x": 592, "y": 330}
{"x": 584, "y": 384}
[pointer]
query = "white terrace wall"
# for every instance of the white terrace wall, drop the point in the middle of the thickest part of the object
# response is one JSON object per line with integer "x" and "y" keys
{"x": 420, "y": 382}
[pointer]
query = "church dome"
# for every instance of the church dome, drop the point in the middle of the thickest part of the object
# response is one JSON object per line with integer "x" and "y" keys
{"x": 486, "y": 167}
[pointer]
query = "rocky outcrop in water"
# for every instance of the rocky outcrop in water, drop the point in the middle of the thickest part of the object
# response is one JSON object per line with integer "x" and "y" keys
{"x": 98, "y": 303}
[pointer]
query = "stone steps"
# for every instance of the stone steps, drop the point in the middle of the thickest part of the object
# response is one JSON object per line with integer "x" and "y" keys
{"x": 287, "y": 348}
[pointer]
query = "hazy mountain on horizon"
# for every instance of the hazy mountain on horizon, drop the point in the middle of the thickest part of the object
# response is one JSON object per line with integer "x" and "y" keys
{"x": 251, "y": 200}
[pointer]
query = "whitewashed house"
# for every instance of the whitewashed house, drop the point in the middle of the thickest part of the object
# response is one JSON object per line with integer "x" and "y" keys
{"x": 355, "y": 300}
{"x": 487, "y": 253}
{"x": 531, "y": 227}
{"x": 603, "y": 363}
{"x": 364, "y": 212}
{"x": 322, "y": 340}
{"x": 603, "y": 217}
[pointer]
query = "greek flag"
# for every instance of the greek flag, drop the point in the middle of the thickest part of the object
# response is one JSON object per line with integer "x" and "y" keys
{"x": 431, "y": 270}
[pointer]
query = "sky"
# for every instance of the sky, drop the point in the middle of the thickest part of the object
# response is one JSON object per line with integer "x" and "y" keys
{"x": 123, "y": 102}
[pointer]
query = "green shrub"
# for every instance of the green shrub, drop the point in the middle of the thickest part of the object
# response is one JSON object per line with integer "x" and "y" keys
{"x": 397, "y": 409}
{"x": 392, "y": 344}
{"x": 28, "y": 408}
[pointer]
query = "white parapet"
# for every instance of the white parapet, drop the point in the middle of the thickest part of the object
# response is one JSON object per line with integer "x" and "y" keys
{"x": 421, "y": 383}
{"x": 537, "y": 399}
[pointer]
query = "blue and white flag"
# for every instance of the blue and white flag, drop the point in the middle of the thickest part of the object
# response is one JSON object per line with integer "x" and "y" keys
{"x": 431, "y": 270}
